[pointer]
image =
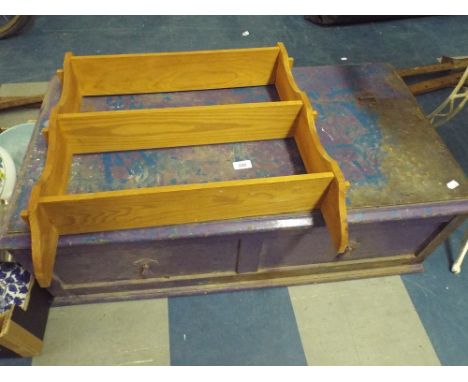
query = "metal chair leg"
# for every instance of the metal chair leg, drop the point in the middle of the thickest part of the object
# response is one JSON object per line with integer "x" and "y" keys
{"x": 452, "y": 105}
{"x": 456, "y": 267}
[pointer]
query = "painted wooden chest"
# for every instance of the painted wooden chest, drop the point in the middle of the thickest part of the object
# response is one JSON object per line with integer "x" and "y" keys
{"x": 399, "y": 206}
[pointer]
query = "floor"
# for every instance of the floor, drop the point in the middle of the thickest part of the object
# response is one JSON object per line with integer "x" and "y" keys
{"x": 419, "y": 319}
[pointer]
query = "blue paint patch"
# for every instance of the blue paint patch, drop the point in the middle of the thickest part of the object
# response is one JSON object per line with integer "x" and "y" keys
{"x": 440, "y": 298}
{"x": 134, "y": 103}
{"x": 351, "y": 135}
{"x": 107, "y": 162}
{"x": 113, "y": 162}
{"x": 239, "y": 328}
{"x": 115, "y": 103}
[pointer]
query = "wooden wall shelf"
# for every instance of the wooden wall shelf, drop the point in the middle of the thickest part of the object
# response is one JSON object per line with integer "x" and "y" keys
{"x": 52, "y": 212}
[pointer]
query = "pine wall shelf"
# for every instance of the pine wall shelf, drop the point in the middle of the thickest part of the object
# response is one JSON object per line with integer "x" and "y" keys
{"x": 52, "y": 211}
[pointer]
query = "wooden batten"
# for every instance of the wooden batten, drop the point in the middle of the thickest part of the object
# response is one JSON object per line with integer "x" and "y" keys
{"x": 16, "y": 338}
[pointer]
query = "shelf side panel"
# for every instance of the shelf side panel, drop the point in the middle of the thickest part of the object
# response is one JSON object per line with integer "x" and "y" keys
{"x": 44, "y": 239}
{"x": 70, "y": 99}
{"x": 314, "y": 155}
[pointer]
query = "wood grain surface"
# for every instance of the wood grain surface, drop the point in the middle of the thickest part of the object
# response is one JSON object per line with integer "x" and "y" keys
{"x": 177, "y": 71}
{"x": 181, "y": 126}
{"x": 166, "y": 205}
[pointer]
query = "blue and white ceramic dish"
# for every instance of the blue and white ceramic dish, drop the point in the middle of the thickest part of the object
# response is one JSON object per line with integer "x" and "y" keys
{"x": 15, "y": 283}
